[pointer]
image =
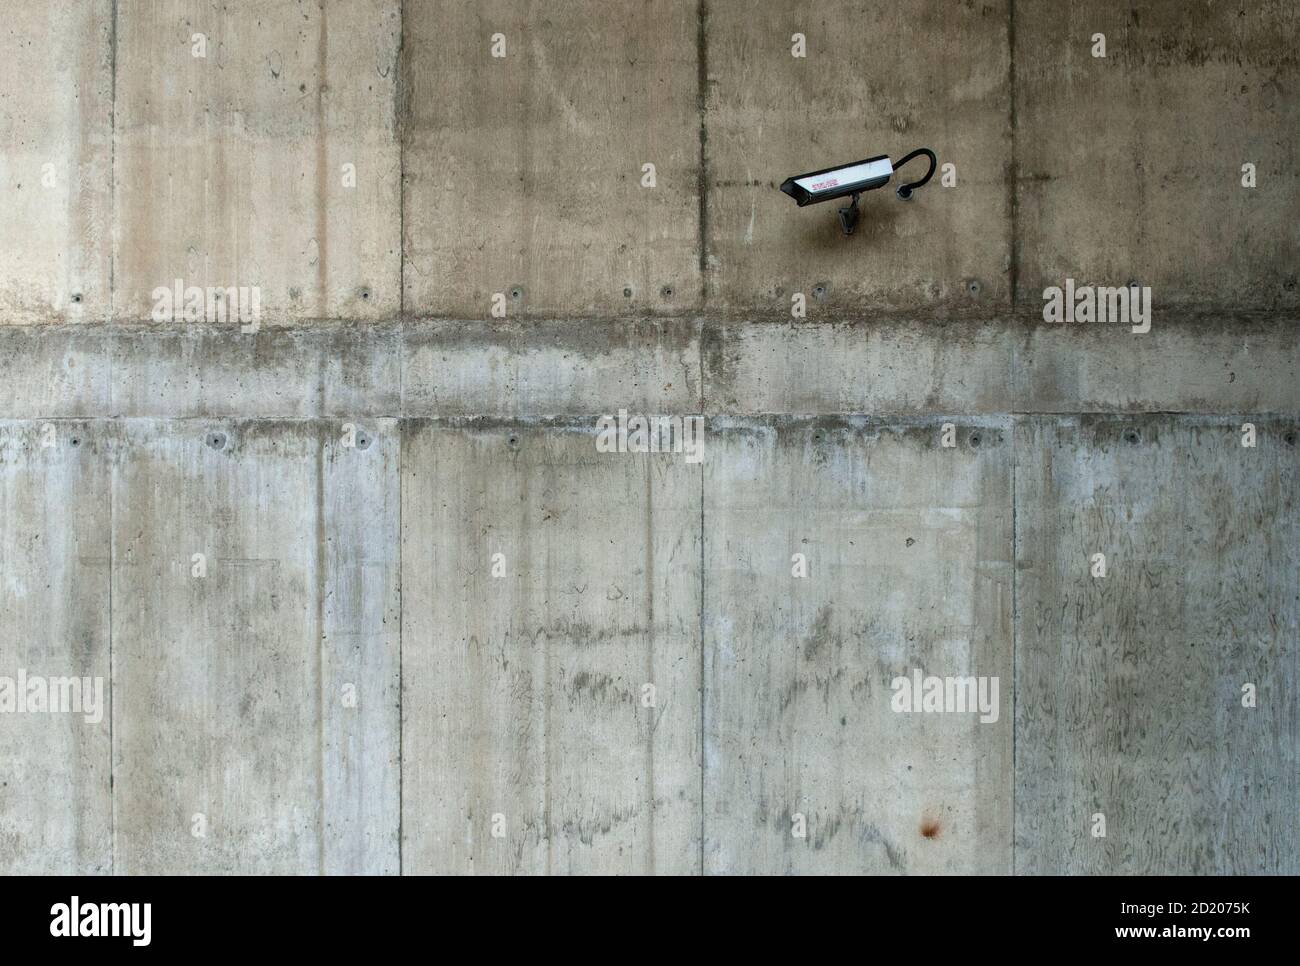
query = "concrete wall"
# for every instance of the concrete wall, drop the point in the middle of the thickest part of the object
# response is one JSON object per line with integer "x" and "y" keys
{"x": 1128, "y": 688}
{"x": 672, "y": 666}
{"x": 907, "y": 546}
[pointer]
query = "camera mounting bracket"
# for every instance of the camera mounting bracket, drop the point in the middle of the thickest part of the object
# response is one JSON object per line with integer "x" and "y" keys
{"x": 849, "y": 214}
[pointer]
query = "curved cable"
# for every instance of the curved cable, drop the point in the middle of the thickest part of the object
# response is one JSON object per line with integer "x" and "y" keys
{"x": 905, "y": 190}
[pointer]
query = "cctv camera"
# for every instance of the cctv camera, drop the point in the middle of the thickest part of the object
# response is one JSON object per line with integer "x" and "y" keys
{"x": 852, "y": 179}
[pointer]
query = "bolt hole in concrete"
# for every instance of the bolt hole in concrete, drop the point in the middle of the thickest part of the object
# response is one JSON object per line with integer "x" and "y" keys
{"x": 666, "y": 291}
{"x": 973, "y": 286}
{"x": 1131, "y": 437}
{"x": 514, "y": 440}
{"x": 216, "y": 440}
{"x": 516, "y": 293}
{"x": 1290, "y": 439}
{"x": 819, "y": 291}
{"x": 627, "y": 293}
{"x": 77, "y": 299}
{"x": 363, "y": 441}
{"x": 365, "y": 295}
{"x": 76, "y": 441}
{"x": 975, "y": 440}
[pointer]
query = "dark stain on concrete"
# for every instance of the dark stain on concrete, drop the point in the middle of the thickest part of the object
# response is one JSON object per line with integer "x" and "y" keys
{"x": 820, "y": 635}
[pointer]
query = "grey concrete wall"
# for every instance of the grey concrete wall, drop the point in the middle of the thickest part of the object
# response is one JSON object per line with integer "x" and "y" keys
{"x": 907, "y": 546}
{"x": 229, "y": 685}
{"x": 229, "y": 168}
{"x": 56, "y": 812}
{"x": 347, "y": 680}
{"x": 524, "y": 674}
{"x": 1129, "y": 687}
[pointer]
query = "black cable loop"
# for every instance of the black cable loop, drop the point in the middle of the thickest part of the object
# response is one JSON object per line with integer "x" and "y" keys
{"x": 905, "y": 190}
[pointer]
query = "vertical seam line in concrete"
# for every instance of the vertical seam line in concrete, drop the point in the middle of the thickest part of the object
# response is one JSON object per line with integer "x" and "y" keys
{"x": 322, "y": 162}
{"x": 112, "y": 159}
{"x": 400, "y": 94}
{"x": 112, "y": 676}
{"x": 399, "y": 120}
{"x": 321, "y": 581}
{"x": 701, "y": 104}
{"x": 650, "y": 653}
{"x": 401, "y": 635}
{"x": 1014, "y": 280}
{"x": 112, "y": 529}
{"x": 1015, "y": 628}
{"x": 703, "y": 648}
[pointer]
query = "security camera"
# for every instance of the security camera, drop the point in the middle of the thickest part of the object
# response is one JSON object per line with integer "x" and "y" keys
{"x": 853, "y": 179}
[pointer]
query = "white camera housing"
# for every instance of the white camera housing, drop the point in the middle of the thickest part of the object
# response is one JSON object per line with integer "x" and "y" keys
{"x": 849, "y": 179}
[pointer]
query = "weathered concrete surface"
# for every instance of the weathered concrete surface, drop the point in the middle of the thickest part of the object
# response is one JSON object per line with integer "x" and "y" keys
{"x": 1129, "y": 686}
{"x": 523, "y": 173}
{"x": 201, "y": 371}
{"x": 886, "y": 369}
{"x": 196, "y": 372}
{"x": 55, "y": 806}
{"x": 360, "y": 520}
{"x": 1130, "y": 166}
{"x": 462, "y": 369}
{"x": 1218, "y": 364}
{"x": 231, "y": 698}
{"x": 878, "y": 78}
{"x": 524, "y": 701}
{"x": 520, "y": 695}
{"x": 230, "y": 167}
{"x": 465, "y": 369}
{"x": 56, "y": 148}
{"x": 52, "y": 371}
{"x": 908, "y": 551}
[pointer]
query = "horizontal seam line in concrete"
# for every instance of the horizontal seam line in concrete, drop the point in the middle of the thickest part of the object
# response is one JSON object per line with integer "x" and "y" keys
{"x": 1170, "y": 317}
{"x": 575, "y": 418}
